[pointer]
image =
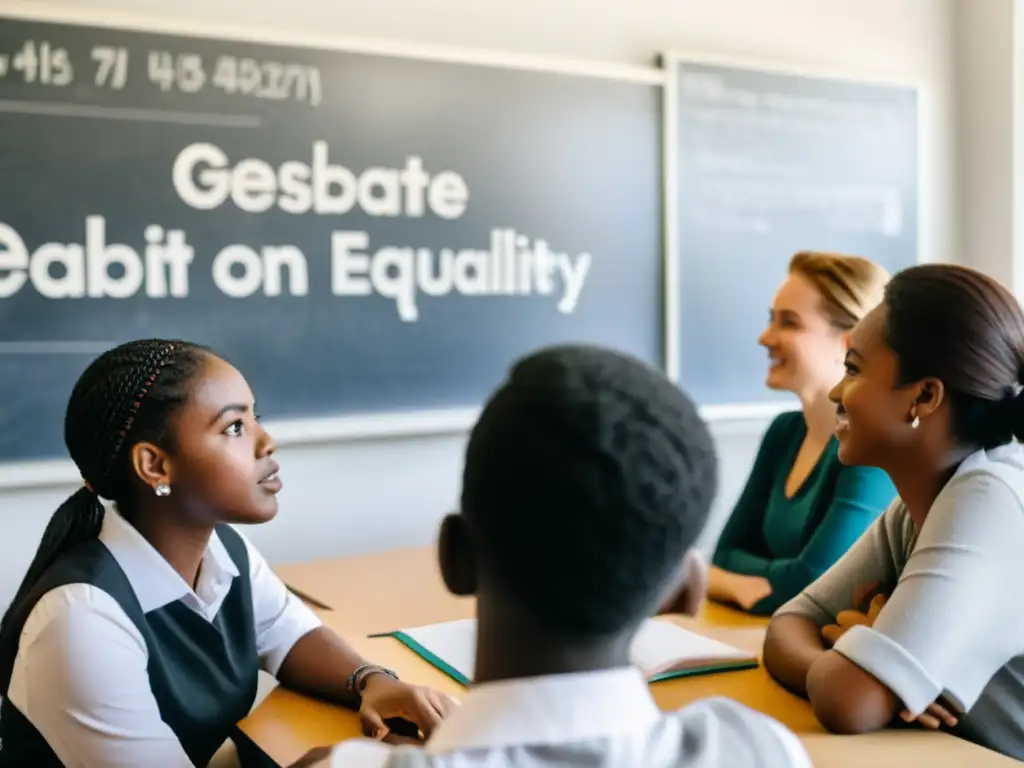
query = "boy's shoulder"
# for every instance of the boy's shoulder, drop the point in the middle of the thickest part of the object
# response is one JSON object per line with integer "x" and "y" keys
{"x": 712, "y": 733}
{"x": 739, "y": 735}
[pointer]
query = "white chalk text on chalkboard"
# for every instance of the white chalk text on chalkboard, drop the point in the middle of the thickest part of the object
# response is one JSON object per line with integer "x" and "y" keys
{"x": 204, "y": 179}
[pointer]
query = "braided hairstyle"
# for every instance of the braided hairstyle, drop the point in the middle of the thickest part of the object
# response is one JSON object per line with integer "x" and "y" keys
{"x": 124, "y": 397}
{"x": 587, "y": 478}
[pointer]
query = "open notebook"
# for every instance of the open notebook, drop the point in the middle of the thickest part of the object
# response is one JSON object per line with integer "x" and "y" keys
{"x": 663, "y": 650}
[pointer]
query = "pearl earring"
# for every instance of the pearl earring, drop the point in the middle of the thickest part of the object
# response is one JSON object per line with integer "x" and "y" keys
{"x": 915, "y": 423}
{"x": 162, "y": 489}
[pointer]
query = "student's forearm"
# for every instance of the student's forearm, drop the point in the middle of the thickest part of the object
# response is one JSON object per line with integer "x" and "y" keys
{"x": 320, "y": 664}
{"x": 726, "y": 586}
{"x": 846, "y": 699}
{"x": 791, "y": 646}
{"x": 720, "y": 585}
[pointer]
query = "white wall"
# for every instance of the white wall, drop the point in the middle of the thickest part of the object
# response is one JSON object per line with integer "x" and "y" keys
{"x": 988, "y": 50}
{"x": 343, "y": 498}
{"x": 983, "y": 51}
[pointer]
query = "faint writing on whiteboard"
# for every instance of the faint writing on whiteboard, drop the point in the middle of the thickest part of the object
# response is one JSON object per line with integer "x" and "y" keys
{"x": 189, "y": 73}
{"x": 752, "y": 206}
{"x": 700, "y": 88}
{"x": 706, "y": 99}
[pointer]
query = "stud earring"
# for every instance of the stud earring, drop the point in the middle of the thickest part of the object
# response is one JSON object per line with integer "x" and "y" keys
{"x": 162, "y": 489}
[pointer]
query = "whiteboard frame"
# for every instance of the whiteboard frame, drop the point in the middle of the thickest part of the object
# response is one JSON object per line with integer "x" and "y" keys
{"x": 670, "y": 61}
{"x": 349, "y": 427}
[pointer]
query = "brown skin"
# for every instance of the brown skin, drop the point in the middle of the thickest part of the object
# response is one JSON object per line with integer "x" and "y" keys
{"x": 874, "y": 429}
{"x": 220, "y": 472}
{"x": 513, "y": 643}
{"x": 221, "y": 454}
{"x": 791, "y": 646}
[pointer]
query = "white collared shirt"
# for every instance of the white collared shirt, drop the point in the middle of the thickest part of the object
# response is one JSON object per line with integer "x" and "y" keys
{"x": 595, "y": 719}
{"x": 80, "y": 675}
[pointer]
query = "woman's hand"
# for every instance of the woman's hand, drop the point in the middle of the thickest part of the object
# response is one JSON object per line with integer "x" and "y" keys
{"x": 748, "y": 591}
{"x": 728, "y": 587}
{"x": 385, "y": 698}
{"x": 852, "y": 618}
{"x": 932, "y": 718}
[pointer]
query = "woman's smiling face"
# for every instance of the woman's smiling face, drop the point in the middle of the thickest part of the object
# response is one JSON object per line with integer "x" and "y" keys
{"x": 873, "y": 414}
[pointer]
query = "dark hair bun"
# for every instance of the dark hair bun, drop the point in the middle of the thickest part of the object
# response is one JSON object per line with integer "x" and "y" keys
{"x": 964, "y": 328}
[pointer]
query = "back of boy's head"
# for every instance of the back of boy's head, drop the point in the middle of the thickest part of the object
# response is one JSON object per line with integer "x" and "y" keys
{"x": 587, "y": 479}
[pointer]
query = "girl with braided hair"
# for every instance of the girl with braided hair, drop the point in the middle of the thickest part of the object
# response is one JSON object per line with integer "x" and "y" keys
{"x": 138, "y": 632}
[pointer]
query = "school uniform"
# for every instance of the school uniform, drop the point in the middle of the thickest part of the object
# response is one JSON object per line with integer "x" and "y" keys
{"x": 605, "y": 718}
{"x": 121, "y": 663}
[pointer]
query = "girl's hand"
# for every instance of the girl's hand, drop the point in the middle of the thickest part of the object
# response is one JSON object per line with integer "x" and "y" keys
{"x": 932, "y": 718}
{"x": 385, "y": 698}
{"x": 852, "y": 618}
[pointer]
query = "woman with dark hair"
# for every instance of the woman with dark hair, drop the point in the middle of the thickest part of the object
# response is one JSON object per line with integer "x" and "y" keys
{"x": 932, "y": 396}
{"x": 138, "y": 632}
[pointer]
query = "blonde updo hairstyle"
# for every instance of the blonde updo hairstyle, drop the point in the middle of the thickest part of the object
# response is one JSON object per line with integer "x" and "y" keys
{"x": 850, "y": 286}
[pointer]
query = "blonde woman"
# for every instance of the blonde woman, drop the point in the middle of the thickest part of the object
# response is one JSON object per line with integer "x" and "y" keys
{"x": 801, "y": 509}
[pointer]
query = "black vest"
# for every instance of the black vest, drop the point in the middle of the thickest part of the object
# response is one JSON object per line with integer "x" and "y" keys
{"x": 202, "y": 674}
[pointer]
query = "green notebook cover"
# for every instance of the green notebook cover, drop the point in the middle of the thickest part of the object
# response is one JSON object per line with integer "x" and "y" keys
{"x": 436, "y": 661}
{"x": 708, "y": 669}
{"x": 428, "y": 656}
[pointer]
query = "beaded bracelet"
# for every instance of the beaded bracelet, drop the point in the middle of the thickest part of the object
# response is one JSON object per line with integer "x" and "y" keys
{"x": 357, "y": 680}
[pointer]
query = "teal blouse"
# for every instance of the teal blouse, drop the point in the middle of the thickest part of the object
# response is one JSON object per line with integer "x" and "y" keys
{"x": 792, "y": 541}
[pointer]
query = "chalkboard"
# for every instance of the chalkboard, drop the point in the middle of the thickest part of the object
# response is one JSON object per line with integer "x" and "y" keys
{"x": 358, "y": 233}
{"x": 763, "y": 164}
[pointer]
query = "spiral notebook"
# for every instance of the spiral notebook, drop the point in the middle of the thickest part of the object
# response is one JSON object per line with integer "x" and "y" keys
{"x": 662, "y": 649}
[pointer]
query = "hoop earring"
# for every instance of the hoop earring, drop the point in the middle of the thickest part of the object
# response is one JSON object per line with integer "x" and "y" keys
{"x": 162, "y": 489}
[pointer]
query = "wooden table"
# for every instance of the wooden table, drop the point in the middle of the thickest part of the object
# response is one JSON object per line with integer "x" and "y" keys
{"x": 378, "y": 593}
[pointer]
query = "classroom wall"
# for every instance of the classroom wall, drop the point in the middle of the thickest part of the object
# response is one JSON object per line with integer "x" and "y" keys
{"x": 983, "y": 53}
{"x": 349, "y": 497}
{"x": 989, "y": 104}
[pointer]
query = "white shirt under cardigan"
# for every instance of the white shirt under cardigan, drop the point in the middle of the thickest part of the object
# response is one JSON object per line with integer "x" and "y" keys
{"x": 80, "y": 675}
{"x": 602, "y": 719}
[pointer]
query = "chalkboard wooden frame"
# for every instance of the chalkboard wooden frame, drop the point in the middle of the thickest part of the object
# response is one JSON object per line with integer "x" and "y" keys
{"x": 671, "y": 60}
{"x": 450, "y": 421}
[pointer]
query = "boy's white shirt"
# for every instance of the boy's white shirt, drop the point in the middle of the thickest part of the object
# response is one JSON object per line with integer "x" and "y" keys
{"x": 595, "y": 718}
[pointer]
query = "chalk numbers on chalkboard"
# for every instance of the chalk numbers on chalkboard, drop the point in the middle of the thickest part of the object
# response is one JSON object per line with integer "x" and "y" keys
{"x": 111, "y": 66}
{"x": 182, "y": 71}
{"x": 232, "y": 75}
{"x": 267, "y": 79}
{"x": 40, "y": 63}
